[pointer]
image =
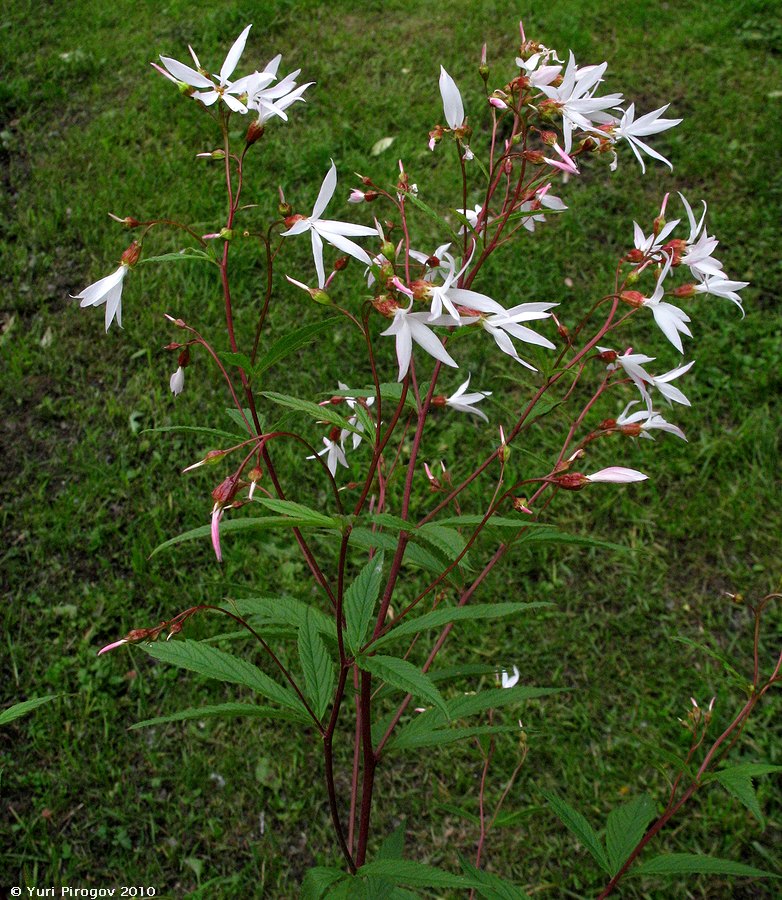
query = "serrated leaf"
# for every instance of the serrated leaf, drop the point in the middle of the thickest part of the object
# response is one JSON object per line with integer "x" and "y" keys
{"x": 299, "y": 512}
{"x": 25, "y": 707}
{"x": 432, "y": 720}
{"x": 291, "y": 342}
{"x": 247, "y": 523}
{"x": 471, "y": 521}
{"x": 435, "y": 216}
{"x": 222, "y": 710}
{"x": 439, "y": 617}
{"x": 190, "y": 253}
{"x": 283, "y": 611}
{"x": 737, "y": 781}
{"x": 321, "y": 413}
{"x": 551, "y": 536}
{"x": 241, "y": 360}
{"x": 696, "y": 864}
{"x": 414, "y": 874}
{"x": 318, "y": 880}
{"x": 214, "y": 663}
{"x": 195, "y": 429}
{"x": 236, "y": 417}
{"x": 625, "y": 827}
{"x": 455, "y": 810}
{"x": 359, "y": 601}
{"x": 316, "y": 664}
{"x": 408, "y": 739}
{"x": 578, "y": 825}
{"x": 491, "y": 887}
{"x": 415, "y": 555}
{"x": 393, "y": 846}
{"x": 401, "y": 674}
{"x": 448, "y": 541}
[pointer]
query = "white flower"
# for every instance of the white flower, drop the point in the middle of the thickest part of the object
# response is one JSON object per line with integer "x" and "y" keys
{"x": 109, "y": 291}
{"x": 472, "y": 216}
{"x": 408, "y": 327}
{"x": 334, "y": 454}
{"x": 576, "y": 101}
{"x": 509, "y": 681}
{"x": 224, "y": 89}
{"x": 535, "y": 69}
{"x": 542, "y": 198}
{"x": 453, "y": 107}
{"x": 631, "y": 129}
{"x": 464, "y": 402}
{"x": 663, "y": 384}
{"x": 333, "y": 232}
{"x": 647, "y": 420}
{"x": 269, "y": 101}
{"x": 720, "y": 286}
{"x": 177, "y": 381}
{"x": 616, "y": 475}
{"x": 669, "y": 318}
{"x": 353, "y": 420}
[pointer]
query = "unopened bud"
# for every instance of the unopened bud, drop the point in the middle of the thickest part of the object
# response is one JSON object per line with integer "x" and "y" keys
{"x": 439, "y": 400}
{"x": 632, "y": 277}
{"x": 504, "y": 452}
{"x": 211, "y": 154}
{"x": 534, "y": 156}
{"x": 184, "y": 358}
{"x": 608, "y": 356}
{"x": 385, "y": 305}
{"x": 571, "y": 481}
{"x": 254, "y": 133}
{"x": 549, "y": 138}
{"x": 173, "y": 346}
{"x": 212, "y": 457}
{"x": 225, "y": 491}
{"x": 685, "y": 290}
{"x": 388, "y": 249}
{"x": 290, "y": 221}
{"x": 128, "y": 221}
{"x": 226, "y": 234}
{"x": 340, "y": 263}
{"x": 633, "y": 298}
{"x": 131, "y": 256}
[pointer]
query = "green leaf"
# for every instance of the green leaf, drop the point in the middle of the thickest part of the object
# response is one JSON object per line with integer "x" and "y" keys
{"x": 401, "y": 674}
{"x": 414, "y": 555}
{"x": 25, "y": 707}
{"x": 283, "y": 611}
{"x": 321, "y": 413}
{"x": 316, "y": 664}
{"x": 393, "y": 847}
{"x": 696, "y": 864}
{"x": 714, "y": 655}
{"x": 299, "y": 512}
{"x": 439, "y": 617}
{"x": 574, "y": 821}
{"x": 625, "y": 827}
{"x": 359, "y": 601}
{"x": 248, "y": 523}
{"x": 212, "y": 432}
{"x": 292, "y": 341}
{"x": 222, "y": 710}
{"x": 214, "y": 663}
{"x": 189, "y": 253}
{"x": 236, "y": 417}
{"x": 737, "y": 781}
{"x": 407, "y": 739}
{"x": 424, "y": 207}
{"x": 471, "y": 521}
{"x": 551, "y": 536}
{"x": 491, "y": 887}
{"x": 241, "y": 360}
{"x": 318, "y": 880}
{"x": 414, "y": 874}
{"x": 447, "y": 541}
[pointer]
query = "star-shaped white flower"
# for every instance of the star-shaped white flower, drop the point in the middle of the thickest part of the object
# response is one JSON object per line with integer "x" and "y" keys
{"x": 464, "y": 402}
{"x": 208, "y": 92}
{"x": 329, "y": 230}
{"x": 647, "y": 420}
{"x": 720, "y": 286}
{"x": 334, "y": 453}
{"x": 509, "y": 681}
{"x": 632, "y": 129}
{"x": 671, "y": 320}
{"x": 576, "y": 101}
{"x": 409, "y": 327}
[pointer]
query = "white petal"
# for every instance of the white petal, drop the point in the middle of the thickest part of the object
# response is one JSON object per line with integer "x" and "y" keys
{"x": 452, "y": 100}
{"x": 184, "y": 73}
{"x": 326, "y": 192}
{"x": 317, "y": 255}
{"x": 233, "y": 56}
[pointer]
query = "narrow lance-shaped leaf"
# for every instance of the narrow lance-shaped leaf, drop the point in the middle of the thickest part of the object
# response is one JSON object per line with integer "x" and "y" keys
{"x": 573, "y": 820}
{"x": 291, "y": 342}
{"x": 321, "y": 413}
{"x": 696, "y": 864}
{"x": 414, "y": 874}
{"x": 405, "y": 676}
{"x": 359, "y": 601}
{"x": 316, "y": 664}
{"x": 737, "y": 781}
{"x": 439, "y": 617}
{"x": 223, "y": 710}
{"x": 299, "y": 512}
{"x": 248, "y": 523}
{"x": 23, "y": 708}
{"x": 213, "y": 663}
{"x": 625, "y": 827}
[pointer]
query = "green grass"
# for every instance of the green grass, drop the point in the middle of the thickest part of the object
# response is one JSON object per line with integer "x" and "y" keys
{"x": 87, "y": 494}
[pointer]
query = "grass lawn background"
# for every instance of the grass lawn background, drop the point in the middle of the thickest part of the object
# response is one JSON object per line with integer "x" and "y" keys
{"x": 86, "y": 128}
